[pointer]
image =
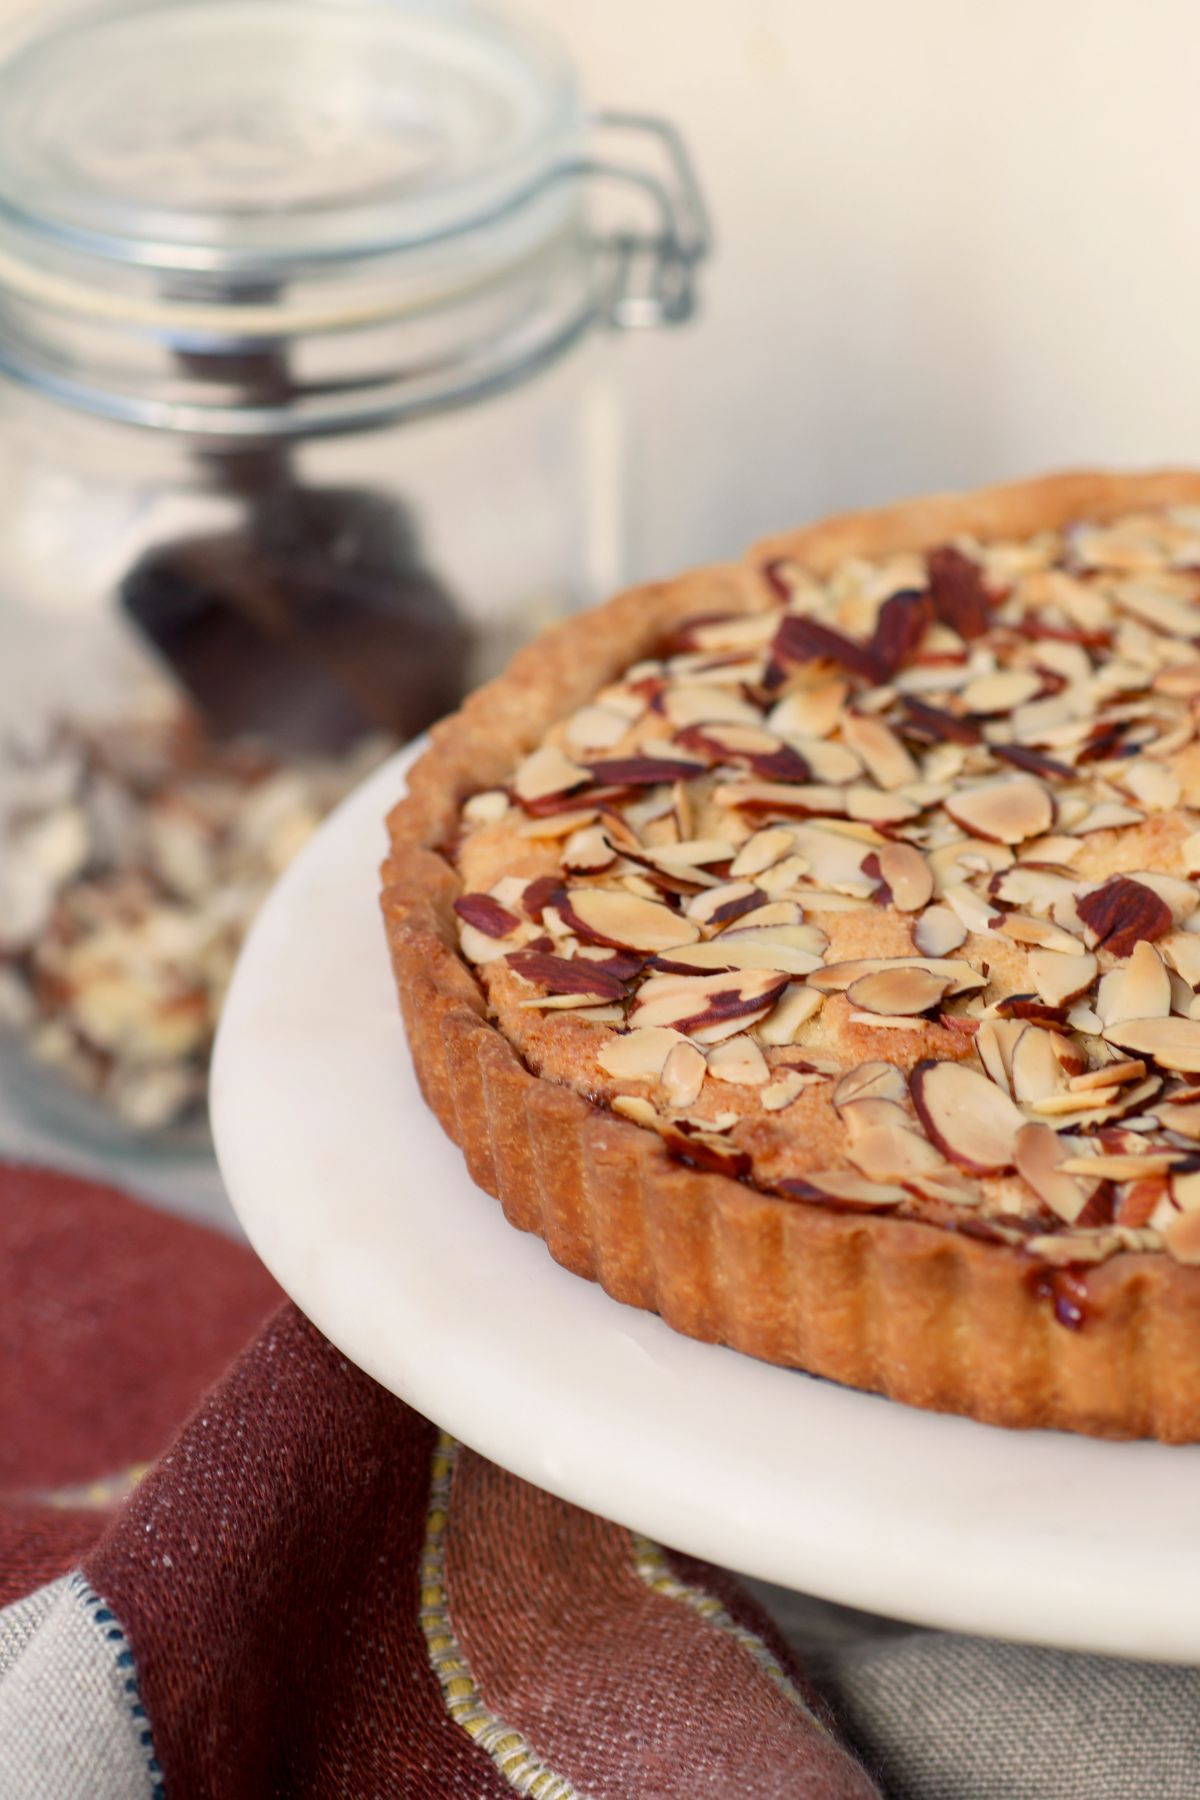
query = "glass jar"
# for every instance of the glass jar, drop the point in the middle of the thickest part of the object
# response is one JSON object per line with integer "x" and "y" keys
{"x": 306, "y": 419}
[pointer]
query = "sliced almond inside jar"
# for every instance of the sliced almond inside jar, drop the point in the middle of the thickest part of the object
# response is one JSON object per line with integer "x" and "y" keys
{"x": 1006, "y": 811}
{"x": 968, "y": 1118}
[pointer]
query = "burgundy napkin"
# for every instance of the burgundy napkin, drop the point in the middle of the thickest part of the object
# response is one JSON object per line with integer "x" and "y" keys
{"x": 313, "y": 1592}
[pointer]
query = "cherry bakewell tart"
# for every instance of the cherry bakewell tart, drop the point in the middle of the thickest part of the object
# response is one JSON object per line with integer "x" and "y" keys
{"x": 808, "y": 950}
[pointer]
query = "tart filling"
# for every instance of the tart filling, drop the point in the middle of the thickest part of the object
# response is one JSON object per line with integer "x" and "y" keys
{"x": 882, "y": 897}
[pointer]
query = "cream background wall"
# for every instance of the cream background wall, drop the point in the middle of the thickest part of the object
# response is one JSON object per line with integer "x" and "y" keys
{"x": 959, "y": 239}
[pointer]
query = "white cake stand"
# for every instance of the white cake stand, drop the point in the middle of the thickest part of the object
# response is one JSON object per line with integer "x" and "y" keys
{"x": 365, "y": 1214}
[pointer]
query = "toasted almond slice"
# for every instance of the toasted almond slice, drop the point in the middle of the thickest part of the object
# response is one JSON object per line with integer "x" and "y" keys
{"x": 810, "y": 712}
{"x": 835, "y": 978}
{"x": 970, "y": 1120}
{"x": 778, "y": 1094}
{"x": 1062, "y": 850}
{"x": 907, "y": 874}
{"x": 547, "y": 771}
{"x": 688, "y": 703}
{"x": 829, "y": 761}
{"x": 1121, "y": 1168}
{"x": 847, "y": 1189}
{"x": 888, "y": 762}
{"x": 995, "y": 1041}
{"x": 771, "y": 912}
{"x": 748, "y": 951}
{"x": 1172, "y": 1043}
{"x": 1180, "y": 896}
{"x": 1061, "y": 977}
{"x": 694, "y": 1002}
{"x": 595, "y": 728}
{"x": 1141, "y": 990}
{"x": 897, "y": 992}
{"x": 938, "y": 931}
{"x": 1037, "y": 1071}
{"x": 727, "y": 900}
{"x": 975, "y": 914}
{"x": 799, "y": 798}
{"x": 1180, "y": 679}
{"x": 1185, "y": 1189}
{"x": 588, "y": 851}
{"x": 1153, "y": 785}
{"x": 628, "y": 921}
{"x": 1189, "y": 850}
{"x": 486, "y": 808}
{"x": 683, "y": 1074}
{"x": 1153, "y": 602}
{"x": 1007, "y": 810}
{"x": 891, "y": 1151}
{"x": 871, "y": 1081}
{"x": 761, "y": 850}
{"x": 638, "y": 1055}
{"x": 952, "y": 863}
{"x": 739, "y": 1060}
{"x": 479, "y": 947}
{"x": 557, "y": 825}
{"x": 1066, "y": 1103}
{"x": 639, "y": 1110}
{"x": 798, "y": 1005}
{"x": 1106, "y": 815}
{"x": 1110, "y": 1074}
{"x": 1066, "y": 1248}
{"x": 1181, "y": 951}
{"x": 783, "y": 877}
{"x": 1023, "y": 928}
{"x": 876, "y": 808}
{"x": 1031, "y": 890}
{"x": 1001, "y": 692}
{"x": 1039, "y": 1158}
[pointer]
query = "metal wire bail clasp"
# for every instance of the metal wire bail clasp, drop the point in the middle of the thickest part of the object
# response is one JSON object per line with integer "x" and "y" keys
{"x": 653, "y": 279}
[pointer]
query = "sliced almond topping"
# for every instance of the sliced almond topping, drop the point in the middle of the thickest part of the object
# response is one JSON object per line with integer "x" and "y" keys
{"x": 871, "y": 1081}
{"x": 486, "y": 808}
{"x": 1120, "y": 1168}
{"x": 1181, "y": 896}
{"x": 751, "y": 950}
{"x": 1172, "y": 1043}
{"x": 1061, "y": 977}
{"x": 778, "y": 1094}
{"x": 810, "y": 712}
{"x": 545, "y": 772}
{"x": 887, "y": 761}
{"x": 846, "y": 1189}
{"x": 595, "y": 728}
{"x": 876, "y": 808}
{"x": 968, "y": 1118}
{"x": 695, "y": 1002}
{"x": 835, "y": 978}
{"x": 739, "y": 1060}
{"x": 1113, "y": 1074}
{"x": 1066, "y": 1103}
{"x": 1007, "y": 811}
{"x": 1152, "y": 601}
{"x": 1039, "y": 1158}
{"x": 887, "y": 1021}
{"x": 683, "y": 1074}
{"x": 588, "y": 851}
{"x": 639, "y": 1055}
{"x": 1108, "y": 815}
{"x": 761, "y": 850}
{"x": 696, "y": 704}
{"x": 991, "y": 695}
{"x": 556, "y": 825}
{"x": 627, "y": 921}
{"x": 1024, "y": 929}
{"x": 1153, "y": 785}
{"x": 907, "y": 874}
{"x": 938, "y": 931}
{"x": 887, "y": 1150}
{"x": 995, "y": 1042}
{"x": 975, "y": 914}
{"x": 1181, "y": 951}
{"x": 726, "y": 902}
{"x": 1070, "y": 1247}
{"x": 783, "y": 1022}
{"x": 775, "y": 912}
{"x": 1140, "y": 990}
{"x": 1037, "y": 1071}
{"x": 898, "y": 992}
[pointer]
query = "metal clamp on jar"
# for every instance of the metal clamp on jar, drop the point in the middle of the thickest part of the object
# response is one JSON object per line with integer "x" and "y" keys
{"x": 307, "y": 421}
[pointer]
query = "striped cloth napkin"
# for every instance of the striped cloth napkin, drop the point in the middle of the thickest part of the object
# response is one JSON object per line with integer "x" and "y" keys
{"x": 307, "y": 1590}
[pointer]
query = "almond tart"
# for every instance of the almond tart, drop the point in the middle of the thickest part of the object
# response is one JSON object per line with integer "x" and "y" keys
{"x": 808, "y": 948}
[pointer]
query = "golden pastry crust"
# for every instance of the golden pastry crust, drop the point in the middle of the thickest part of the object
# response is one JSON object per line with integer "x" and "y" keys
{"x": 937, "y": 1317}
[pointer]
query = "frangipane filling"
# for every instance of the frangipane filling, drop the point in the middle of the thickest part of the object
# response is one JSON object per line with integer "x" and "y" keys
{"x": 884, "y": 897}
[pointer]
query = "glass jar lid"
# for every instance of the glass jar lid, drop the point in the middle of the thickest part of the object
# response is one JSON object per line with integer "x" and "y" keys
{"x": 254, "y": 137}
